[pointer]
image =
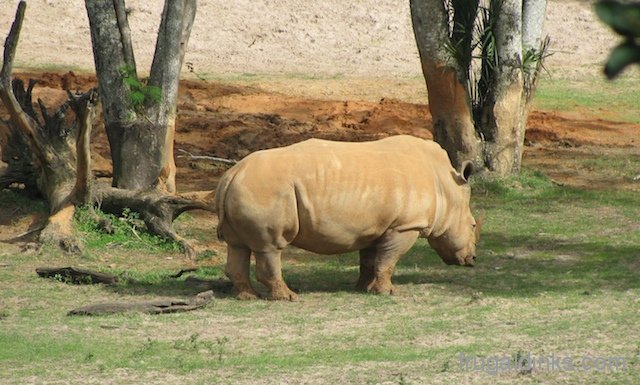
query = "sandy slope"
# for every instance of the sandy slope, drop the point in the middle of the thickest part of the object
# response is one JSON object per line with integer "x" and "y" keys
{"x": 361, "y": 38}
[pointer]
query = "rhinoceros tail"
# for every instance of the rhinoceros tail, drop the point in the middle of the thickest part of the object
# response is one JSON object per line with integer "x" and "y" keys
{"x": 221, "y": 194}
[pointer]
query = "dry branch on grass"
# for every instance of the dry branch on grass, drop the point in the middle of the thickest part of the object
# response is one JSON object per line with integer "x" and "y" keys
{"x": 206, "y": 157}
{"x": 157, "y": 306}
{"x": 77, "y": 275}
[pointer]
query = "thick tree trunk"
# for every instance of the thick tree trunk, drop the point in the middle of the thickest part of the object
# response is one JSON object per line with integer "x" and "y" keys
{"x": 503, "y": 123}
{"x": 141, "y": 135}
{"x": 51, "y": 152}
{"x": 141, "y": 138}
{"x": 449, "y": 101}
{"x": 490, "y": 129}
{"x": 48, "y": 143}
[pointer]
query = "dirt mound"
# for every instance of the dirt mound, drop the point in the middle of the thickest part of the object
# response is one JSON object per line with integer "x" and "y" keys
{"x": 579, "y": 128}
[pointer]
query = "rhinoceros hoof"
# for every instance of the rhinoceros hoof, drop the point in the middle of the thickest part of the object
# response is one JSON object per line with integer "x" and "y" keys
{"x": 377, "y": 288}
{"x": 247, "y": 296}
{"x": 283, "y": 295}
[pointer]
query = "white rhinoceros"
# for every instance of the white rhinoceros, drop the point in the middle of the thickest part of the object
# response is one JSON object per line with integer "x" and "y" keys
{"x": 335, "y": 197}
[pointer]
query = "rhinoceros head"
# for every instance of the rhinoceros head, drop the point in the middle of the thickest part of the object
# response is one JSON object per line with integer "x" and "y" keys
{"x": 456, "y": 242}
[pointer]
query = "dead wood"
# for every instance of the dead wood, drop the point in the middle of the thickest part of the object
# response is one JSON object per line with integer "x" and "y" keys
{"x": 183, "y": 271}
{"x": 77, "y": 275}
{"x": 50, "y": 153}
{"x": 205, "y": 157}
{"x": 40, "y": 147}
{"x": 157, "y": 209}
{"x": 161, "y": 306}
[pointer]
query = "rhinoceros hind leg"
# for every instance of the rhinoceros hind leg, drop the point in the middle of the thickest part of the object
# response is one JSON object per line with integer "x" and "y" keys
{"x": 237, "y": 269}
{"x": 391, "y": 246}
{"x": 367, "y": 272}
{"x": 269, "y": 273}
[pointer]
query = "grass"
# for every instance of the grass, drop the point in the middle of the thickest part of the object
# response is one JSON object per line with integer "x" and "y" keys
{"x": 601, "y": 97}
{"x": 127, "y": 231}
{"x": 558, "y": 273}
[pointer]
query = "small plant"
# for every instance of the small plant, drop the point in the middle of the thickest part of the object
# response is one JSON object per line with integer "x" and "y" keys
{"x": 402, "y": 380}
{"x": 193, "y": 344}
{"x": 222, "y": 341}
{"x": 146, "y": 348}
{"x": 89, "y": 357}
{"x": 207, "y": 254}
{"x": 141, "y": 93}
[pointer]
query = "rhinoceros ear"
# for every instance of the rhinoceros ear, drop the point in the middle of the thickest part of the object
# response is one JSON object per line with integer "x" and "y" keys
{"x": 466, "y": 169}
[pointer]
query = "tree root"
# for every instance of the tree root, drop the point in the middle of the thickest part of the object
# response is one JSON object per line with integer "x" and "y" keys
{"x": 76, "y": 275}
{"x": 157, "y": 209}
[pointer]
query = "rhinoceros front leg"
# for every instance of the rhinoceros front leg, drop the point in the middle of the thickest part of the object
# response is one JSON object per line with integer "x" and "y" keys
{"x": 269, "y": 273}
{"x": 391, "y": 246}
{"x": 237, "y": 269}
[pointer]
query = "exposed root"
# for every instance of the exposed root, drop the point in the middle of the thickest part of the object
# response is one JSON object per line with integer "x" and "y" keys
{"x": 157, "y": 209}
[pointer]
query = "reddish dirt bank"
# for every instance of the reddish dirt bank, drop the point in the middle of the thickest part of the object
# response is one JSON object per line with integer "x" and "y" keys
{"x": 231, "y": 121}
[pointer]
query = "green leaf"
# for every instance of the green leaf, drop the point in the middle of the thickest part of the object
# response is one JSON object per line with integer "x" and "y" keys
{"x": 622, "y": 18}
{"x": 137, "y": 98}
{"x": 623, "y": 55}
{"x": 154, "y": 93}
{"x": 606, "y": 11}
{"x": 132, "y": 82}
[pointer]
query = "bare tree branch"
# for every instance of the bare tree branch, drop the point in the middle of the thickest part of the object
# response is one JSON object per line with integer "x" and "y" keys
{"x": 173, "y": 35}
{"x": 125, "y": 34}
{"x": 204, "y": 157}
{"x": 84, "y": 107}
{"x": 24, "y": 122}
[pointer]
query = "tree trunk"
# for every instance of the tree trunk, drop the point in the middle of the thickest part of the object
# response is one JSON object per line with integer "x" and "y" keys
{"x": 503, "y": 121}
{"x": 480, "y": 116}
{"x": 175, "y": 28}
{"x": 43, "y": 146}
{"x": 449, "y": 101}
{"x": 533, "y": 14}
{"x": 51, "y": 152}
{"x": 141, "y": 137}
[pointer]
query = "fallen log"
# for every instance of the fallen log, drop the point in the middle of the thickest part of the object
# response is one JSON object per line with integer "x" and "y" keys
{"x": 76, "y": 275}
{"x": 161, "y": 306}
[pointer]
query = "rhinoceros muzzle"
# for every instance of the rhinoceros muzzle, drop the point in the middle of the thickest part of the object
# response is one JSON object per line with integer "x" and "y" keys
{"x": 469, "y": 261}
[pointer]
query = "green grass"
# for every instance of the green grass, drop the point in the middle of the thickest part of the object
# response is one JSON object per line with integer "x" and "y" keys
{"x": 557, "y": 273}
{"x": 128, "y": 231}
{"x": 597, "y": 96}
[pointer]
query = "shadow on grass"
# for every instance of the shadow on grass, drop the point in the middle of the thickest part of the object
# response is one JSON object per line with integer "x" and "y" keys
{"x": 165, "y": 284}
{"x": 508, "y": 266}
{"x": 532, "y": 266}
